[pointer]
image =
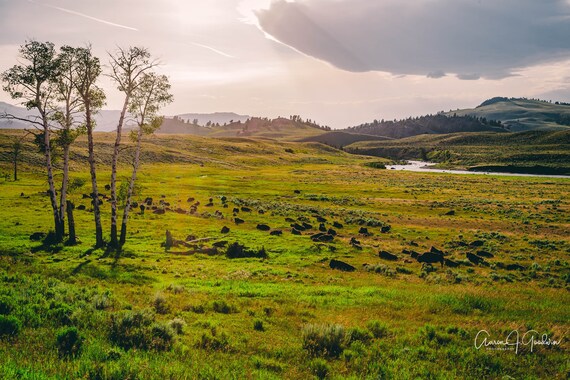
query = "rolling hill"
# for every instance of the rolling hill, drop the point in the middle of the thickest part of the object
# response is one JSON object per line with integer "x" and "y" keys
{"x": 339, "y": 139}
{"x": 547, "y": 152}
{"x": 520, "y": 114}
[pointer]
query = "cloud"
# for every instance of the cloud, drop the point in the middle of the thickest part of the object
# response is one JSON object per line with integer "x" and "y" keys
{"x": 470, "y": 38}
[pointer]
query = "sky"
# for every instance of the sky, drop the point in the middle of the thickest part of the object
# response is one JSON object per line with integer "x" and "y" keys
{"x": 338, "y": 62}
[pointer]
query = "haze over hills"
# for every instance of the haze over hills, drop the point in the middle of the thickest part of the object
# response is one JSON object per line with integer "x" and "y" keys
{"x": 520, "y": 114}
{"x": 213, "y": 118}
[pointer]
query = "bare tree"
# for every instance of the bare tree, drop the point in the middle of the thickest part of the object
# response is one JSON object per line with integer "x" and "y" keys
{"x": 127, "y": 68}
{"x": 88, "y": 70}
{"x": 65, "y": 112}
{"x": 31, "y": 83}
{"x": 151, "y": 94}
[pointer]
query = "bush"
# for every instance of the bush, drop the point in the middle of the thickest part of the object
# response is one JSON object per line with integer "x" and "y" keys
{"x": 6, "y": 305}
{"x": 9, "y": 326}
{"x": 320, "y": 368}
{"x": 160, "y": 304}
{"x": 69, "y": 342}
{"x": 178, "y": 325}
{"x": 359, "y": 334}
{"x": 258, "y": 325}
{"x": 162, "y": 337}
{"x": 223, "y": 307}
{"x": 214, "y": 342}
{"x": 324, "y": 340}
{"x": 377, "y": 328}
{"x": 60, "y": 314}
{"x": 131, "y": 329}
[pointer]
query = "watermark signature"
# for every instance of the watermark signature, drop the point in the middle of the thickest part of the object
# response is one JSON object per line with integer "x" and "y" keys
{"x": 514, "y": 341}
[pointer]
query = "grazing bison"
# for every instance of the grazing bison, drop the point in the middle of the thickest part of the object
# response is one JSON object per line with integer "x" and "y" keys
{"x": 387, "y": 256}
{"x": 148, "y": 201}
{"x": 385, "y": 229}
{"x": 190, "y": 200}
{"x": 107, "y": 187}
{"x": 225, "y": 230}
{"x": 81, "y": 207}
{"x": 477, "y": 243}
{"x": 180, "y": 211}
{"x": 320, "y": 219}
{"x": 430, "y": 258}
{"x": 224, "y": 198}
{"x": 337, "y": 225}
{"x": 322, "y": 227}
{"x": 236, "y": 210}
{"x": 276, "y": 233}
{"x": 297, "y": 191}
{"x": 220, "y": 244}
{"x": 331, "y": 232}
{"x": 295, "y": 231}
{"x": 515, "y": 267}
{"x": 486, "y": 254}
{"x": 263, "y": 227}
{"x": 363, "y": 231}
{"x": 475, "y": 259}
{"x": 451, "y": 263}
{"x": 307, "y": 226}
{"x": 85, "y": 196}
{"x": 210, "y": 204}
{"x": 37, "y": 236}
{"x": 436, "y": 251}
{"x": 261, "y": 212}
{"x": 245, "y": 209}
{"x": 159, "y": 211}
{"x": 239, "y": 221}
{"x": 341, "y": 265}
{"x": 142, "y": 208}
{"x": 298, "y": 227}
{"x": 289, "y": 220}
{"x": 353, "y": 241}
{"x": 322, "y": 237}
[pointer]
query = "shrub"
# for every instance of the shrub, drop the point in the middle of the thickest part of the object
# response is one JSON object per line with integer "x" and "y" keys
{"x": 162, "y": 337}
{"x": 320, "y": 368}
{"x": 6, "y": 305}
{"x": 9, "y": 326}
{"x": 102, "y": 301}
{"x": 359, "y": 334}
{"x": 178, "y": 325}
{"x": 324, "y": 340}
{"x": 258, "y": 325}
{"x": 160, "y": 305}
{"x": 60, "y": 314}
{"x": 377, "y": 328}
{"x": 214, "y": 342}
{"x": 223, "y": 307}
{"x": 131, "y": 329}
{"x": 69, "y": 342}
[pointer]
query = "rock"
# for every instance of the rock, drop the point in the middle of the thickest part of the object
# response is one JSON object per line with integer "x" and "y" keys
{"x": 341, "y": 265}
{"x": 387, "y": 256}
{"x": 225, "y": 230}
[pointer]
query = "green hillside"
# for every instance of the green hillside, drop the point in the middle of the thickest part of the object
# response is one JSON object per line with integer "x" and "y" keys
{"x": 520, "y": 114}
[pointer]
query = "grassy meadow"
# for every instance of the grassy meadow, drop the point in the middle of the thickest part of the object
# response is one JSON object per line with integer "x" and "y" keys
{"x": 191, "y": 312}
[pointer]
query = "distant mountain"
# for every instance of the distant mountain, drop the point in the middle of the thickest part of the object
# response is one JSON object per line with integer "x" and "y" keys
{"x": 430, "y": 124}
{"x": 212, "y": 118}
{"x": 339, "y": 139}
{"x": 177, "y": 125}
{"x": 106, "y": 120}
{"x": 521, "y": 114}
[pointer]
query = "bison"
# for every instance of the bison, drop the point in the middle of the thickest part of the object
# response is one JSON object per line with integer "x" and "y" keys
{"x": 430, "y": 258}
{"x": 341, "y": 265}
{"x": 263, "y": 227}
{"x": 387, "y": 256}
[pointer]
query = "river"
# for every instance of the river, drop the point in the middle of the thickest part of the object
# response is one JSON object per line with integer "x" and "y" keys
{"x": 422, "y": 166}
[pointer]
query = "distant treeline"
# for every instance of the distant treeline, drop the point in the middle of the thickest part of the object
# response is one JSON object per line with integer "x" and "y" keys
{"x": 434, "y": 124}
{"x": 499, "y": 99}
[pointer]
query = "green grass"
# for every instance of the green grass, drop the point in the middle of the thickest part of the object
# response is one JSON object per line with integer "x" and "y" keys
{"x": 156, "y": 314}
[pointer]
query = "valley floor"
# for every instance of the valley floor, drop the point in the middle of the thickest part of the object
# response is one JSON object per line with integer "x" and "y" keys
{"x": 157, "y": 314}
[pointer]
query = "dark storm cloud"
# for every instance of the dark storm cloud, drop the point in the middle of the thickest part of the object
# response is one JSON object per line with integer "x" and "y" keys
{"x": 470, "y": 38}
